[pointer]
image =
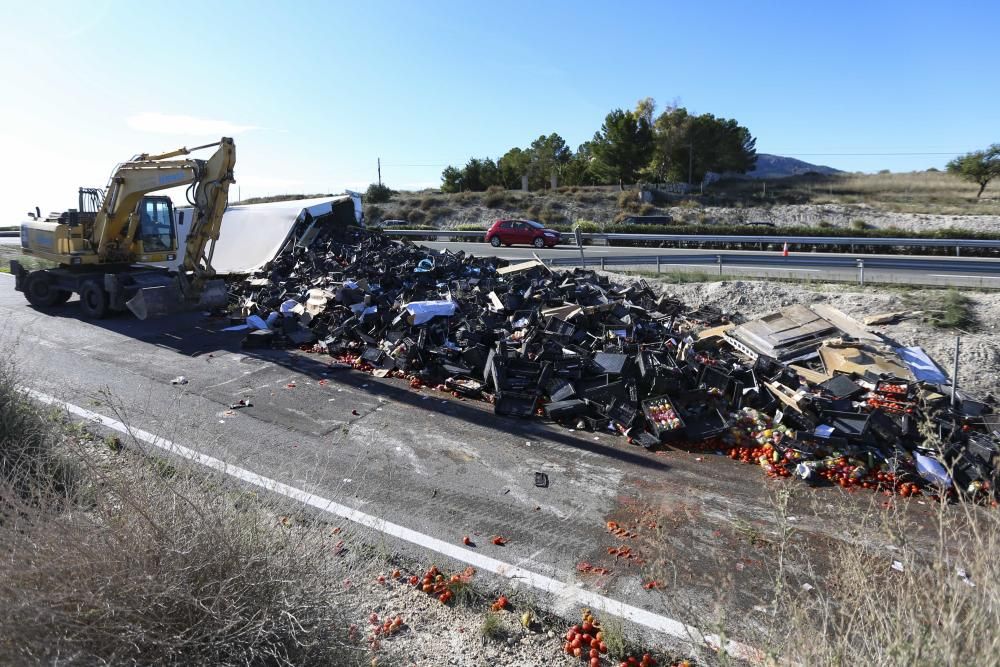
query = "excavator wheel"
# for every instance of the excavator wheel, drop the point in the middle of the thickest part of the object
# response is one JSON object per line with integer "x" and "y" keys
{"x": 40, "y": 291}
{"x": 94, "y": 302}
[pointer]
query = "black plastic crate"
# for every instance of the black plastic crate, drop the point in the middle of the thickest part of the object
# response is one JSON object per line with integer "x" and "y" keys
{"x": 611, "y": 363}
{"x": 466, "y": 386}
{"x": 563, "y": 409}
{"x": 852, "y": 425}
{"x": 841, "y": 386}
{"x": 515, "y": 404}
{"x": 561, "y": 390}
{"x": 983, "y": 448}
{"x": 715, "y": 378}
{"x": 600, "y": 389}
{"x": 664, "y": 432}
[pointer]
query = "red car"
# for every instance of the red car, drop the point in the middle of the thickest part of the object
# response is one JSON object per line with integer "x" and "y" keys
{"x": 509, "y": 232}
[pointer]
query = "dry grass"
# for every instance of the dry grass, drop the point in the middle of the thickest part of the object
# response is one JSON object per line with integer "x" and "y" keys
{"x": 10, "y": 251}
{"x": 144, "y": 563}
{"x": 942, "y": 608}
{"x": 932, "y": 192}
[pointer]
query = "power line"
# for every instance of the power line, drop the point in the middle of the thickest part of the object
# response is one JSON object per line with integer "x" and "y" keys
{"x": 771, "y": 151}
{"x": 389, "y": 164}
{"x": 784, "y": 154}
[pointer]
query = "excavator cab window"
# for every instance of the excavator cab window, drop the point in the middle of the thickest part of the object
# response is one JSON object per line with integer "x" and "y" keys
{"x": 156, "y": 227}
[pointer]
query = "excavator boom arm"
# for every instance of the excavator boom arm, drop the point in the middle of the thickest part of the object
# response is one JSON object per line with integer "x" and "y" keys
{"x": 116, "y": 221}
{"x": 210, "y": 198}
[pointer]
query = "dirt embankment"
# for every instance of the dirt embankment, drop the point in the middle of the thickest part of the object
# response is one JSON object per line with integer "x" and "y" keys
{"x": 604, "y": 207}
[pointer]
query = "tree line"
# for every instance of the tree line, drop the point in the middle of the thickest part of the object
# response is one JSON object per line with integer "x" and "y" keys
{"x": 631, "y": 145}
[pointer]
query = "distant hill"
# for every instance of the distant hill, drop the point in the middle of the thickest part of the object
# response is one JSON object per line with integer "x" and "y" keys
{"x": 776, "y": 166}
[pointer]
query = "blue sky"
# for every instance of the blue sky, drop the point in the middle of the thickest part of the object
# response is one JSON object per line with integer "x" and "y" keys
{"x": 314, "y": 92}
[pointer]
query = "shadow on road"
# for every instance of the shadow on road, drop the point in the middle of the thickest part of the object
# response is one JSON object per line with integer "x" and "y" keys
{"x": 193, "y": 334}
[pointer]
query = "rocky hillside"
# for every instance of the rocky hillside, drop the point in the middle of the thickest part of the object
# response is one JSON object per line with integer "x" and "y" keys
{"x": 776, "y": 166}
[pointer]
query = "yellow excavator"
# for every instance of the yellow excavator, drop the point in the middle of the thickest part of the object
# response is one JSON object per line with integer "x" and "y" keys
{"x": 105, "y": 249}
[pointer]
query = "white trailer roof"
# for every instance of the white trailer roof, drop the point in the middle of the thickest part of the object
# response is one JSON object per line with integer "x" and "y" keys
{"x": 252, "y": 234}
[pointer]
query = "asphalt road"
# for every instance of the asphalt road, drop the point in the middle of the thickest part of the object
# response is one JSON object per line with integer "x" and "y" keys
{"x": 438, "y": 465}
{"x": 938, "y": 270}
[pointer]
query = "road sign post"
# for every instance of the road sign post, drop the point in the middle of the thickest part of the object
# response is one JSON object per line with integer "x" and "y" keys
{"x": 579, "y": 244}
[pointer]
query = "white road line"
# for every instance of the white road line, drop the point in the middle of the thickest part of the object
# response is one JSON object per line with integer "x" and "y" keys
{"x": 582, "y": 597}
{"x": 768, "y": 268}
{"x": 953, "y": 275}
{"x": 734, "y": 266}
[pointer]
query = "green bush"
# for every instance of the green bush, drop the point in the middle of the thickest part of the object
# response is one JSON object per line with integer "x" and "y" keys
{"x": 416, "y": 216}
{"x": 378, "y": 193}
{"x": 494, "y": 199}
{"x": 627, "y": 199}
{"x": 588, "y": 226}
{"x": 551, "y": 214}
{"x": 588, "y": 197}
{"x": 647, "y": 209}
{"x": 466, "y": 198}
{"x": 427, "y": 203}
{"x": 373, "y": 213}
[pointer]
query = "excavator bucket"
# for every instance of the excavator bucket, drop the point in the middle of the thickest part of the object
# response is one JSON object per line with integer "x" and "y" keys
{"x": 158, "y": 301}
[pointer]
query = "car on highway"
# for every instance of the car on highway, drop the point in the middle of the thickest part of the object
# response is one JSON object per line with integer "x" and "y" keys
{"x": 529, "y": 232}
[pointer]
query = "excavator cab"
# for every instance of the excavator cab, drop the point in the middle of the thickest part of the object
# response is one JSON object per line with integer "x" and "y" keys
{"x": 156, "y": 225}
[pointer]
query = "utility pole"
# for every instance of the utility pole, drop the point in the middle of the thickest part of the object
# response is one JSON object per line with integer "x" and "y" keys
{"x": 379, "y": 172}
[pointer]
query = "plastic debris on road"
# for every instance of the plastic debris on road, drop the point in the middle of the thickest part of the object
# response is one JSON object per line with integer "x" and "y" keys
{"x": 805, "y": 391}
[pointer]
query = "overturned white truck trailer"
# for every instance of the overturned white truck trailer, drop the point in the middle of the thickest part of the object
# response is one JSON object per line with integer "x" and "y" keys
{"x": 253, "y": 234}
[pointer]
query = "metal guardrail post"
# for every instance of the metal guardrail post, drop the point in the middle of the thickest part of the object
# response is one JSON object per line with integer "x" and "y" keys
{"x": 861, "y": 272}
{"x": 954, "y": 373}
{"x": 602, "y": 263}
{"x": 657, "y": 263}
{"x": 718, "y": 258}
{"x": 579, "y": 244}
{"x": 958, "y": 251}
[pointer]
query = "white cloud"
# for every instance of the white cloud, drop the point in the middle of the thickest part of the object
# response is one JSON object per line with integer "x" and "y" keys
{"x": 161, "y": 123}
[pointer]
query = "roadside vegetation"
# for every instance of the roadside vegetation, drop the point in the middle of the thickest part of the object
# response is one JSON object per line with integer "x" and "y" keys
{"x": 9, "y": 252}
{"x": 944, "y": 309}
{"x": 927, "y": 595}
{"x": 931, "y": 191}
{"x": 139, "y": 562}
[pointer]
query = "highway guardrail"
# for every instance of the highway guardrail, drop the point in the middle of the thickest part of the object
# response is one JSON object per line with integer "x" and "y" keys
{"x": 705, "y": 239}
